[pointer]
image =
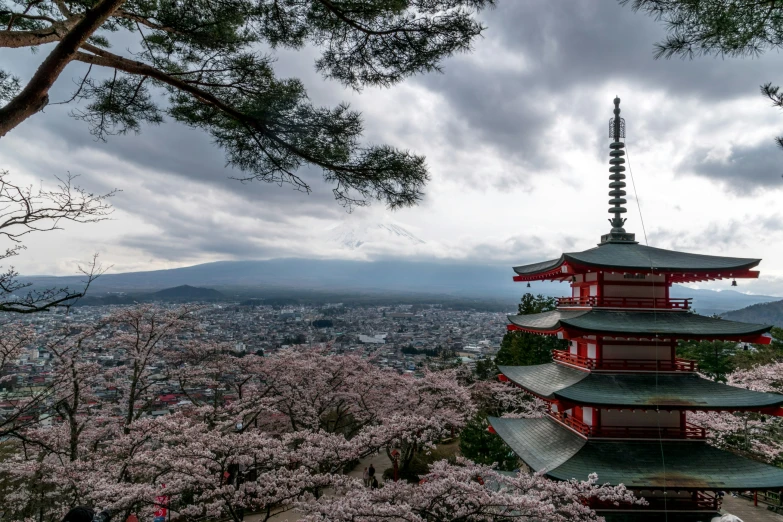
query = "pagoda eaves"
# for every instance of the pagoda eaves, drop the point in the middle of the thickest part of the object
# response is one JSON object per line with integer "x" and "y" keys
{"x": 680, "y": 267}
{"x": 561, "y": 454}
{"x": 670, "y": 391}
{"x": 569, "y": 324}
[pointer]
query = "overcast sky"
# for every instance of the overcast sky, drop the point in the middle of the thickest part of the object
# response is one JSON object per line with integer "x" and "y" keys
{"x": 516, "y": 139}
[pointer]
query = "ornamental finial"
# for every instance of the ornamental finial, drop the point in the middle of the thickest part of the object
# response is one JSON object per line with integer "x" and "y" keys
{"x": 617, "y": 133}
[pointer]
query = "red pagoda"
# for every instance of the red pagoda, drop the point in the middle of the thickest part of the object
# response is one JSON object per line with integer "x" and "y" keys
{"x": 619, "y": 398}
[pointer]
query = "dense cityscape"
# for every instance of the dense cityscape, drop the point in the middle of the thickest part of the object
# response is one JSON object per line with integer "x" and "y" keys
{"x": 405, "y": 338}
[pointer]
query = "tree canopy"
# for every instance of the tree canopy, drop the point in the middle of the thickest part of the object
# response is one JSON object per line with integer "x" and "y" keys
{"x": 271, "y": 433}
{"x": 525, "y": 349}
{"x": 206, "y": 64}
{"x": 482, "y": 447}
{"x": 735, "y": 28}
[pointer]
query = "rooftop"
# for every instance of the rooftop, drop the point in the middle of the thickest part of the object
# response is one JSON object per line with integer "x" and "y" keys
{"x": 633, "y": 257}
{"x": 545, "y": 445}
{"x": 679, "y": 325}
{"x": 633, "y": 390}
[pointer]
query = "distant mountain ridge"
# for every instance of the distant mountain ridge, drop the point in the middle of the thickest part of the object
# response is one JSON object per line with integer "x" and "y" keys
{"x": 187, "y": 293}
{"x": 391, "y": 277}
{"x": 762, "y": 313}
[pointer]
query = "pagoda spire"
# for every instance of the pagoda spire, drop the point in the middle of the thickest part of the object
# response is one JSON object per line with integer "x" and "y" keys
{"x": 617, "y": 185}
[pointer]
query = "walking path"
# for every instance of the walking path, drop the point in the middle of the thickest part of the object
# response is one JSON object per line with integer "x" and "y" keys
{"x": 744, "y": 509}
{"x": 381, "y": 462}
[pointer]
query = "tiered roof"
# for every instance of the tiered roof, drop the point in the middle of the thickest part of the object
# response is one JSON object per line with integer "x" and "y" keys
{"x": 663, "y": 324}
{"x": 561, "y": 454}
{"x": 633, "y": 257}
{"x": 635, "y": 390}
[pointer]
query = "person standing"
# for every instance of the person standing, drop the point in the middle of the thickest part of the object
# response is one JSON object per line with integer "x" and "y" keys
{"x": 371, "y": 472}
{"x": 366, "y": 477}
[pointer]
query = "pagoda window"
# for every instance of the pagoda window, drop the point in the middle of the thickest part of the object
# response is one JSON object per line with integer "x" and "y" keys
{"x": 640, "y": 418}
{"x": 587, "y": 415}
{"x": 651, "y": 352}
{"x": 634, "y": 285}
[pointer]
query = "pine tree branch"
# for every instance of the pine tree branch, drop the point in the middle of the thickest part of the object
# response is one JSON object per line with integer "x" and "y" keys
{"x": 35, "y": 95}
{"x": 352, "y": 23}
{"x": 107, "y": 59}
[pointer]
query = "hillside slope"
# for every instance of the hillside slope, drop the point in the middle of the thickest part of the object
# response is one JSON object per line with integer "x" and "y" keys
{"x": 187, "y": 293}
{"x": 763, "y": 313}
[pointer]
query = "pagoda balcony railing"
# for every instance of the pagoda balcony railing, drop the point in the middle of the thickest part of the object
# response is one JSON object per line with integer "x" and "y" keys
{"x": 660, "y": 303}
{"x": 697, "y": 501}
{"x": 652, "y": 365}
{"x": 689, "y": 431}
{"x": 572, "y": 422}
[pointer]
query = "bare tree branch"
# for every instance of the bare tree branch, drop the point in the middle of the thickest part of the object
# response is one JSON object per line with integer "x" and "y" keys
{"x": 24, "y": 210}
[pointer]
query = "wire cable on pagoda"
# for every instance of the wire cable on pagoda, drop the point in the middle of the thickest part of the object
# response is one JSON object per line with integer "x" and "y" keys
{"x": 619, "y": 154}
{"x": 655, "y": 321}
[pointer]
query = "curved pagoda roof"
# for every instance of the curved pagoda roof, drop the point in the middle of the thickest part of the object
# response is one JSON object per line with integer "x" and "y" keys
{"x": 634, "y": 390}
{"x": 669, "y": 324}
{"x": 633, "y": 257}
{"x": 563, "y": 455}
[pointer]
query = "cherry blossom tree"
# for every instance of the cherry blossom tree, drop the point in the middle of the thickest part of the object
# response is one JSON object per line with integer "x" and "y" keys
{"x": 251, "y": 434}
{"x": 758, "y": 435}
{"x": 14, "y": 339}
{"x": 467, "y": 492}
{"x": 300, "y": 416}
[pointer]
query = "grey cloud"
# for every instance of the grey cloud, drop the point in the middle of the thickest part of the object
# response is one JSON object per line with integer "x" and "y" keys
{"x": 569, "y": 49}
{"x": 725, "y": 236}
{"x": 746, "y": 170}
{"x": 588, "y": 43}
{"x": 514, "y": 250}
{"x": 572, "y": 49}
{"x": 183, "y": 248}
{"x": 178, "y": 160}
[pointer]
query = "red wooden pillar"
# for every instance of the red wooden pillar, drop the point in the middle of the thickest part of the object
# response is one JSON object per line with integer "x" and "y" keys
{"x": 599, "y": 351}
{"x": 599, "y": 290}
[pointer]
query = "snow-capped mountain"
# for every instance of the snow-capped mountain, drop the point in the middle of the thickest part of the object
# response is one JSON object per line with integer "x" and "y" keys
{"x": 372, "y": 235}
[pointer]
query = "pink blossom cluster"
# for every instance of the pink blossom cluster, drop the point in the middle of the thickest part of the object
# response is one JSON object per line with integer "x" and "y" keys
{"x": 249, "y": 434}
{"x": 466, "y": 491}
{"x": 756, "y": 434}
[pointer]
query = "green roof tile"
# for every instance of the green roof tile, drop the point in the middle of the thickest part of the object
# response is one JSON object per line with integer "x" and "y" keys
{"x": 637, "y": 465}
{"x": 630, "y": 256}
{"x": 543, "y": 379}
{"x": 635, "y": 390}
{"x": 679, "y": 324}
{"x": 538, "y": 442}
{"x": 666, "y": 390}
